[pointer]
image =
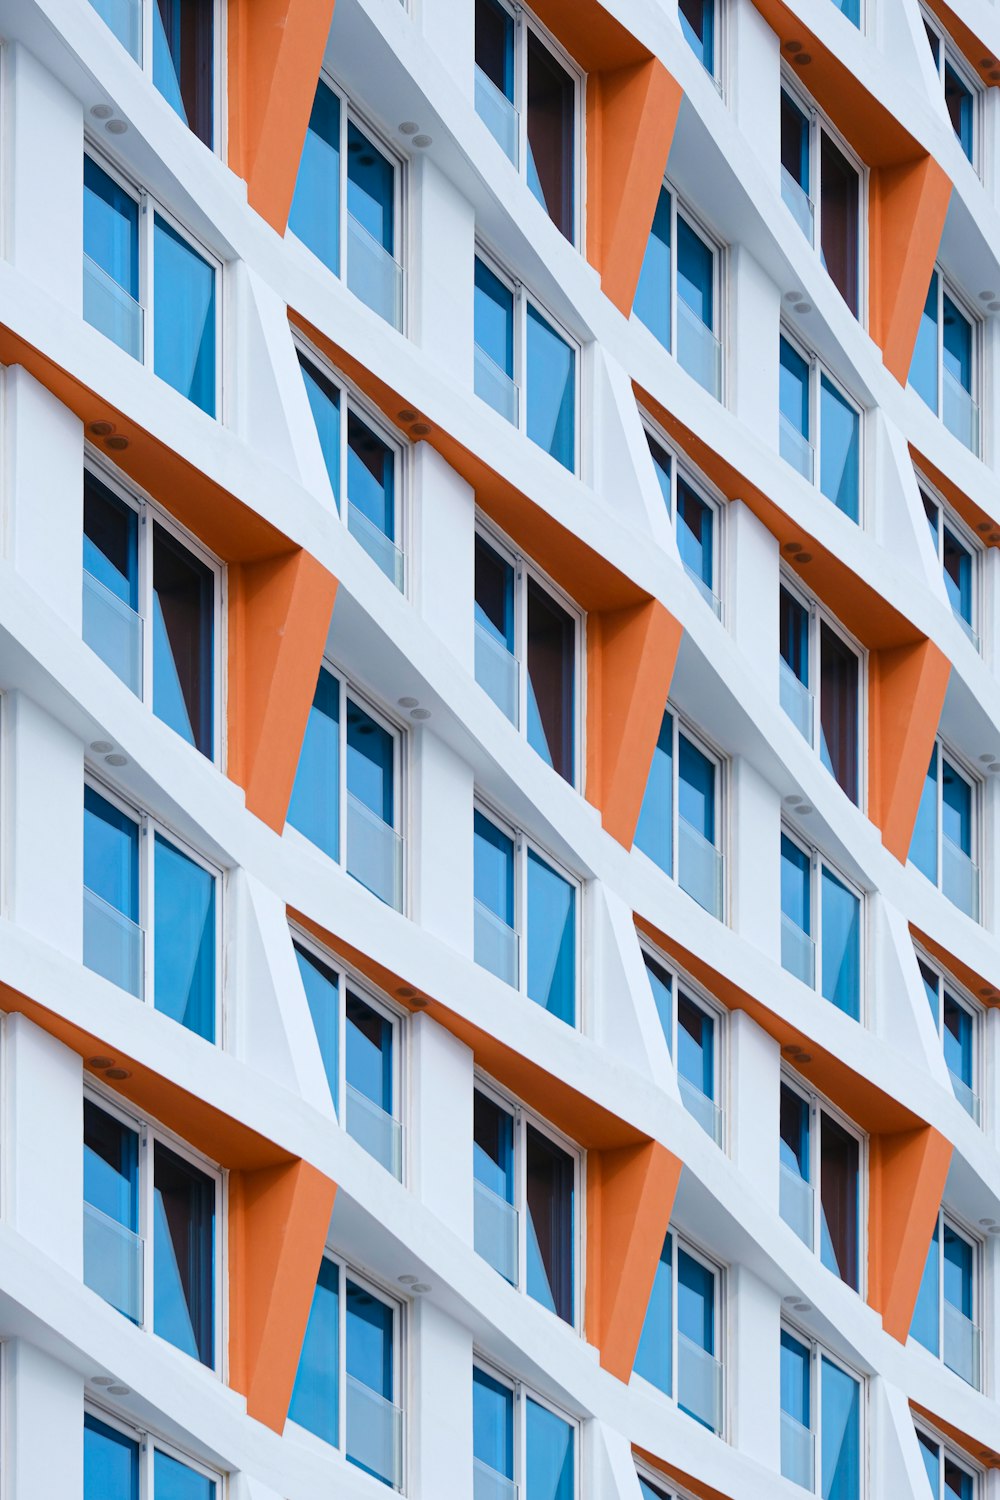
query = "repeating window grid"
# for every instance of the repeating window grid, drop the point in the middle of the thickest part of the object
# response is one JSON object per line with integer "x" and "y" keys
{"x": 949, "y": 56}
{"x": 946, "y": 288}
{"x": 817, "y": 864}
{"x": 952, "y": 1455}
{"x": 818, "y": 1354}
{"x": 149, "y": 1446}
{"x": 946, "y": 986}
{"x": 964, "y": 772}
{"x": 521, "y": 1394}
{"x": 948, "y": 519}
{"x": 150, "y": 209}
{"x": 148, "y": 828}
{"x": 817, "y": 372}
{"x": 348, "y": 693}
{"x": 819, "y": 1105}
{"x": 680, "y": 983}
{"x": 683, "y": 471}
{"x": 682, "y": 726}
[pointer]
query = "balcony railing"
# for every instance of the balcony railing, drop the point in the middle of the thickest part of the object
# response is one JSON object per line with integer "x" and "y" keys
{"x": 798, "y": 952}
{"x": 712, "y": 600}
{"x": 495, "y": 945}
{"x": 699, "y": 867}
{"x": 374, "y": 1433}
{"x": 959, "y": 412}
{"x": 967, "y": 1098}
{"x": 488, "y": 1484}
{"x": 799, "y": 204}
{"x": 699, "y": 1383}
{"x": 375, "y": 1130}
{"x": 967, "y": 627}
{"x": 124, "y": 18}
{"x": 374, "y": 853}
{"x": 959, "y": 878}
{"x": 494, "y": 386}
{"x": 795, "y": 448}
{"x": 112, "y": 1262}
{"x": 705, "y": 1110}
{"x": 112, "y": 943}
{"x": 961, "y": 1345}
{"x": 372, "y": 273}
{"x": 495, "y": 1231}
{"x": 796, "y": 699}
{"x": 798, "y": 1452}
{"x": 381, "y": 549}
{"x": 113, "y": 629}
{"x": 795, "y": 1203}
{"x": 497, "y": 672}
{"x": 108, "y": 307}
{"x": 497, "y": 114}
{"x": 699, "y": 352}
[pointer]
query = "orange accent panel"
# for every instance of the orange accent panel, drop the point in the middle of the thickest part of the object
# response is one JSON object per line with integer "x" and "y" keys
{"x": 279, "y": 617}
{"x": 278, "y": 1222}
{"x": 630, "y": 1197}
{"x": 631, "y": 118}
{"x": 907, "y": 1174}
{"x": 988, "y": 1457}
{"x": 590, "y": 34}
{"x": 977, "y": 54}
{"x": 978, "y": 520}
{"x": 696, "y": 1487}
{"x": 906, "y": 694}
{"x": 976, "y": 984}
{"x": 275, "y": 54}
{"x": 631, "y": 654}
{"x": 907, "y": 207}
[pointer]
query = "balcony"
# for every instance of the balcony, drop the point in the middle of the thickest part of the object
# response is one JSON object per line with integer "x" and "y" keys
{"x": 967, "y": 627}
{"x": 497, "y": 672}
{"x": 699, "y": 867}
{"x": 109, "y": 308}
{"x": 705, "y": 1110}
{"x": 495, "y": 945}
{"x": 799, "y": 204}
{"x": 798, "y": 952}
{"x": 712, "y": 600}
{"x": 494, "y": 386}
{"x": 699, "y": 352}
{"x": 495, "y": 1231}
{"x": 959, "y": 412}
{"x": 699, "y": 1383}
{"x": 970, "y": 1101}
{"x": 374, "y": 1433}
{"x": 112, "y": 1262}
{"x": 798, "y": 1452}
{"x": 961, "y": 1345}
{"x": 113, "y": 630}
{"x": 959, "y": 878}
{"x": 795, "y": 448}
{"x": 796, "y": 700}
{"x": 112, "y": 943}
{"x": 374, "y": 853}
{"x": 488, "y": 1484}
{"x": 372, "y": 274}
{"x": 380, "y": 548}
{"x": 795, "y": 1203}
{"x": 375, "y": 1131}
{"x": 497, "y": 114}
{"x": 124, "y": 18}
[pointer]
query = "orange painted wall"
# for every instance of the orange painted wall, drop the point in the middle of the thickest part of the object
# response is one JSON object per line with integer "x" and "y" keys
{"x": 906, "y": 1178}
{"x": 977, "y": 54}
{"x": 906, "y": 691}
{"x": 696, "y": 1487}
{"x": 907, "y": 207}
{"x": 975, "y": 983}
{"x": 275, "y": 54}
{"x": 980, "y": 521}
{"x": 988, "y": 1457}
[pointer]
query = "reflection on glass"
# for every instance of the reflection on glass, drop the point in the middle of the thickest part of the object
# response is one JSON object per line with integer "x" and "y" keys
{"x": 841, "y": 932}
{"x": 492, "y": 1424}
{"x": 324, "y": 403}
{"x": 315, "y": 1402}
{"x": 110, "y": 1462}
{"x": 551, "y": 147}
{"x": 550, "y": 680}
{"x": 184, "y": 298}
{"x": 184, "y": 946}
{"x": 182, "y": 60}
{"x": 315, "y": 805}
{"x": 493, "y": 1170}
{"x": 112, "y": 1262}
{"x": 840, "y": 191}
{"x": 550, "y": 1454}
{"x": 839, "y": 1187}
{"x": 549, "y": 1224}
{"x": 925, "y": 1324}
{"x": 551, "y": 390}
{"x": 372, "y": 1428}
{"x": 315, "y": 213}
{"x": 183, "y": 1255}
{"x": 662, "y": 985}
{"x": 697, "y": 18}
{"x": 322, "y": 989}
{"x": 696, "y": 1324}
{"x": 111, "y": 623}
{"x": 840, "y": 450}
{"x": 652, "y": 298}
{"x": 838, "y": 710}
{"x": 173, "y": 1480}
{"x": 924, "y": 840}
{"x": 183, "y": 641}
{"x": 551, "y": 940}
{"x": 923, "y": 374}
{"x": 654, "y": 832}
{"x": 371, "y": 472}
{"x": 654, "y": 1357}
{"x": 841, "y": 1427}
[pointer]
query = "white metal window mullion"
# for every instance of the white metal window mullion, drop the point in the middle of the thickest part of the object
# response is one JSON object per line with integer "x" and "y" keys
{"x": 342, "y": 192}
{"x": 521, "y": 88}
{"x": 675, "y": 800}
{"x": 145, "y": 9}
{"x": 939, "y": 1236}
{"x": 144, "y": 545}
{"x": 521, "y": 1196}
{"x": 520, "y": 336}
{"x": 146, "y": 1220}
{"x": 816, "y": 917}
{"x": 520, "y": 859}
{"x": 342, "y": 1354}
{"x": 342, "y": 454}
{"x": 146, "y": 1472}
{"x": 342, "y": 769}
{"x": 673, "y": 273}
{"x": 816, "y": 1397}
{"x": 675, "y": 1256}
{"x": 521, "y": 641}
{"x": 147, "y": 903}
{"x": 520, "y": 1439}
{"x": 939, "y": 801}
{"x": 816, "y": 436}
{"x": 815, "y": 1163}
{"x": 940, "y": 342}
{"x": 147, "y": 215}
{"x": 340, "y": 1102}
{"x": 813, "y": 657}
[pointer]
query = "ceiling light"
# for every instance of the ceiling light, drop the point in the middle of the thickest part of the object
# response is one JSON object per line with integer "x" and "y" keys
{"x": 116, "y": 127}
{"x": 420, "y": 713}
{"x": 116, "y": 760}
{"x": 423, "y": 140}
{"x": 101, "y": 111}
{"x": 103, "y": 746}
{"x": 409, "y": 127}
{"x": 413, "y": 702}
{"x": 406, "y": 1280}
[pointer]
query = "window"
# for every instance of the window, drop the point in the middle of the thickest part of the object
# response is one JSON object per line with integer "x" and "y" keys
{"x": 693, "y": 1031}
{"x": 814, "y": 651}
{"x": 518, "y": 890}
{"x": 686, "y": 1342}
{"x": 520, "y": 1444}
{"x": 147, "y": 287}
{"x": 851, "y": 9}
{"x": 960, "y": 559}
{"x": 347, "y": 794}
{"x": 944, "y": 370}
{"x": 950, "y": 1475}
{"x": 150, "y": 1225}
{"x": 698, "y": 28}
{"x": 957, "y": 1021}
{"x": 679, "y": 295}
{"x": 518, "y": 348}
{"x": 814, "y": 413}
{"x": 151, "y": 916}
{"x": 820, "y": 926}
{"x": 528, "y": 650}
{"x": 150, "y": 602}
{"x": 821, "y": 1417}
{"x": 351, "y": 219}
{"x": 823, "y": 186}
{"x": 947, "y": 1317}
{"x": 680, "y": 823}
{"x": 120, "y": 1463}
{"x": 962, "y": 90}
{"x": 820, "y": 1181}
{"x": 359, "y": 1042}
{"x": 697, "y": 520}
{"x": 945, "y": 842}
{"x": 363, "y": 463}
{"x": 527, "y": 95}
{"x": 525, "y": 1203}
{"x": 349, "y": 1382}
{"x": 174, "y": 41}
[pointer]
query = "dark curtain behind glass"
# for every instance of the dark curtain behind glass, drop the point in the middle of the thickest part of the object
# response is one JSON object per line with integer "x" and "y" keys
{"x": 839, "y": 1198}
{"x": 839, "y": 710}
{"x": 839, "y": 192}
{"x": 551, "y": 639}
{"x": 550, "y": 135}
{"x": 550, "y": 1224}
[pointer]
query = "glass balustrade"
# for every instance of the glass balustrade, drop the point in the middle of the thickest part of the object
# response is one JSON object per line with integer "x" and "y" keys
{"x": 959, "y": 878}
{"x": 381, "y": 549}
{"x": 495, "y": 387}
{"x": 795, "y": 1203}
{"x": 497, "y": 114}
{"x": 112, "y": 943}
{"x": 969, "y": 1100}
{"x": 497, "y": 672}
{"x": 961, "y": 1344}
{"x": 372, "y": 274}
{"x": 959, "y": 412}
{"x": 114, "y": 630}
{"x": 712, "y": 600}
{"x": 108, "y": 307}
{"x": 967, "y": 627}
{"x": 796, "y": 700}
{"x": 699, "y": 352}
{"x": 495, "y": 1231}
{"x": 124, "y": 18}
{"x": 496, "y": 945}
{"x": 375, "y": 1130}
{"x": 374, "y": 1433}
{"x": 798, "y": 1452}
{"x": 798, "y": 952}
{"x": 374, "y": 853}
{"x": 112, "y": 1262}
{"x": 699, "y": 867}
{"x": 795, "y": 448}
{"x": 488, "y": 1484}
{"x": 705, "y": 1110}
{"x": 799, "y": 204}
{"x": 699, "y": 1383}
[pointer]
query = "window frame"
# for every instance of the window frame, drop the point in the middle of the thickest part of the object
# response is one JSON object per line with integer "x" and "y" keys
{"x": 817, "y": 862}
{"x": 977, "y": 787}
{"x": 680, "y": 207}
{"x": 522, "y": 1393}
{"x": 818, "y": 1352}
{"x": 820, "y": 1104}
{"x": 149, "y": 1444}
{"x": 682, "y": 725}
{"x": 948, "y": 517}
{"x": 947, "y": 1218}
{"x": 946, "y": 287}
{"x": 818, "y": 369}
{"x": 709, "y": 494}
{"x": 957, "y": 1456}
{"x": 700, "y": 997}
{"x": 951, "y": 56}
{"x": 960, "y": 996}
{"x": 680, "y": 1240}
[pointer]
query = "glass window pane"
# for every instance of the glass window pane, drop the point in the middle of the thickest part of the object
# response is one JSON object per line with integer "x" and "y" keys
{"x": 315, "y": 1394}
{"x": 695, "y": 273}
{"x": 371, "y": 188}
{"x": 369, "y": 1052}
{"x": 652, "y": 297}
{"x": 662, "y": 985}
{"x": 323, "y": 996}
{"x": 494, "y": 317}
{"x": 493, "y": 868}
{"x": 695, "y": 1301}
{"x": 110, "y": 541}
{"x": 183, "y": 1255}
{"x": 931, "y": 989}
{"x": 551, "y": 686}
{"x": 182, "y": 62}
{"x": 959, "y": 1260}
{"x": 110, "y": 854}
{"x": 324, "y": 402}
{"x": 184, "y": 944}
{"x": 661, "y": 466}
{"x": 184, "y": 303}
{"x": 956, "y": 560}
{"x": 840, "y": 189}
{"x": 956, "y": 807}
{"x": 796, "y": 1397}
{"x": 173, "y": 1480}
{"x": 492, "y": 1423}
{"x": 931, "y": 1455}
{"x": 493, "y": 1146}
{"x": 793, "y": 635}
{"x": 648, "y": 1491}
{"x": 794, "y": 1132}
{"x": 111, "y": 227}
{"x": 371, "y": 473}
{"x": 841, "y": 942}
{"x": 549, "y": 1224}
{"x": 551, "y": 390}
{"x": 957, "y": 1035}
{"x": 110, "y": 1166}
{"x": 839, "y": 1187}
{"x": 696, "y": 788}
{"x": 694, "y": 533}
{"x": 957, "y": 344}
{"x": 793, "y": 388}
{"x": 697, "y": 18}
{"x": 838, "y": 710}
{"x": 315, "y": 214}
{"x": 495, "y": 45}
{"x": 695, "y": 1045}
{"x": 795, "y": 143}
{"x": 958, "y": 1483}
{"x": 654, "y": 1356}
{"x": 551, "y": 940}
{"x": 925, "y": 1323}
{"x": 840, "y": 445}
{"x": 550, "y": 1454}
{"x": 841, "y": 1456}
{"x": 370, "y": 763}
{"x": 314, "y": 808}
{"x": 795, "y": 892}
{"x": 110, "y": 1462}
{"x": 183, "y": 641}
{"x": 551, "y": 107}
{"x": 923, "y": 374}
{"x": 494, "y": 594}
{"x": 924, "y": 842}
{"x": 370, "y": 1341}
{"x": 960, "y": 102}
{"x": 654, "y": 832}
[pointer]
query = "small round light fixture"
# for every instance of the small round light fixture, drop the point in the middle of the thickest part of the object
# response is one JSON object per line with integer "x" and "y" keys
{"x": 792, "y": 46}
{"x": 420, "y": 429}
{"x": 790, "y": 1301}
{"x": 116, "y": 127}
{"x": 802, "y": 58}
{"x": 101, "y": 746}
{"x": 993, "y": 306}
{"x": 994, "y": 767}
{"x": 119, "y": 1390}
{"x": 102, "y": 1380}
{"x": 117, "y": 1074}
{"x": 420, "y": 714}
{"x": 987, "y": 296}
{"x": 804, "y": 557}
{"x": 791, "y": 547}
{"x": 412, "y": 703}
{"x": 406, "y": 1280}
{"x": 987, "y": 1222}
{"x": 407, "y": 415}
{"x": 423, "y": 141}
{"x": 993, "y": 1229}
{"x": 101, "y": 429}
{"x": 803, "y": 307}
{"x": 116, "y": 760}
{"x": 793, "y": 296}
{"x": 793, "y": 800}
{"x": 420, "y": 1287}
{"x": 803, "y": 1307}
{"x": 118, "y": 443}
{"x": 101, "y": 111}
{"x": 100, "y": 1062}
{"x": 409, "y": 127}
{"x": 804, "y": 810}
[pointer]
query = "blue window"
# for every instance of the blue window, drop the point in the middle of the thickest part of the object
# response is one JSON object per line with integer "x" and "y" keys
{"x": 315, "y": 804}
{"x": 840, "y": 944}
{"x": 852, "y": 10}
{"x": 497, "y": 667}
{"x": 110, "y": 1462}
{"x": 550, "y": 680}
{"x": 944, "y": 841}
{"x": 184, "y": 930}
{"x": 173, "y": 1480}
{"x": 183, "y": 62}
{"x": 796, "y": 1197}
{"x": 112, "y": 937}
{"x": 654, "y": 833}
{"x": 840, "y": 449}
{"x": 839, "y": 709}
{"x": 550, "y": 1454}
{"x": 652, "y": 298}
{"x": 324, "y": 403}
{"x": 185, "y": 317}
{"x": 691, "y": 1031}
{"x": 661, "y": 983}
{"x": 923, "y": 374}
{"x": 943, "y": 370}
{"x": 112, "y": 1249}
{"x": 663, "y": 468}
{"x": 796, "y": 163}
{"x": 795, "y": 665}
{"x": 494, "y": 373}
{"x": 654, "y": 1359}
{"x": 697, "y": 18}
{"x": 820, "y": 1182}
{"x": 677, "y": 295}
{"x": 959, "y": 561}
{"x": 497, "y": 1222}
{"x": 112, "y": 623}
{"x": 810, "y": 403}
{"x": 961, "y": 91}
{"x": 840, "y": 1432}
{"x": 946, "y": 1316}
{"x": 795, "y": 424}
{"x": 495, "y": 73}
{"x": 680, "y": 1333}
{"x": 495, "y": 933}
{"x": 839, "y": 201}
{"x": 550, "y": 1224}
{"x": 111, "y": 293}
{"x": 948, "y": 1477}
{"x": 550, "y": 389}
{"x": 183, "y": 649}
{"x": 516, "y": 1440}
{"x": 650, "y": 1491}
{"x": 551, "y": 939}
{"x": 696, "y": 541}
{"x": 551, "y": 133}
{"x": 184, "y": 1236}
{"x": 371, "y": 1078}
{"x": 820, "y": 911}
{"x": 315, "y": 212}
{"x": 492, "y": 1430}
{"x": 679, "y": 825}
{"x": 797, "y": 1442}
{"x": 322, "y": 990}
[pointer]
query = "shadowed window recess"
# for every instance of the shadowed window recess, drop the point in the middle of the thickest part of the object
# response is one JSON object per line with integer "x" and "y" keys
{"x": 680, "y": 824}
{"x": 679, "y": 293}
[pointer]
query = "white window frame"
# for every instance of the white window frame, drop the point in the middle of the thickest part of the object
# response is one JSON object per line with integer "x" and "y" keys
{"x": 699, "y": 997}
{"x": 818, "y": 1351}
{"x": 683, "y": 725}
{"x": 680, "y": 207}
{"x": 950, "y": 55}
{"x": 961, "y": 997}
{"x": 219, "y": 70}
{"x": 817, "y": 369}
{"x": 962, "y": 768}
{"x": 680, "y": 1241}
{"x": 664, "y": 1486}
{"x": 960, "y": 1459}
{"x": 817, "y": 862}
{"x": 681, "y": 467}
{"x": 149, "y": 1446}
{"x": 947, "y": 288}
{"x": 150, "y": 208}
{"x": 947, "y": 517}
{"x": 150, "y": 1133}
{"x": 149, "y": 826}
{"x": 522, "y": 1118}
{"x": 149, "y": 511}
{"x": 959, "y": 1227}
{"x": 819, "y": 1104}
